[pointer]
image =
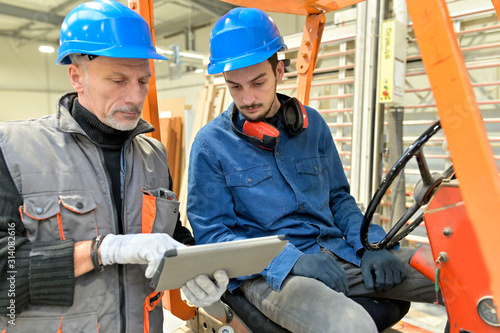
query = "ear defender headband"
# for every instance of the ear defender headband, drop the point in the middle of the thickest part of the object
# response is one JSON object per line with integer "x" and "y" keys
{"x": 266, "y": 136}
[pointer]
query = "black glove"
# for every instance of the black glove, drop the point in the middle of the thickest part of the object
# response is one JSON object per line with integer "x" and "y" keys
{"x": 324, "y": 268}
{"x": 381, "y": 270}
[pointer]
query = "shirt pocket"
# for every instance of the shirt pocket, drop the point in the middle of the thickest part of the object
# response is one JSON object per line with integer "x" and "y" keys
{"x": 159, "y": 214}
{"x": 255, "y": 196}
{"x": 81, "y": 323}
{"x": 49, "y": 217}
{"x": 313, "y": 181}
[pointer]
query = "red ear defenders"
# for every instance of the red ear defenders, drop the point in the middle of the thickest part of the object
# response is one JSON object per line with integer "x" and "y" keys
{"x": 266, "y": 136}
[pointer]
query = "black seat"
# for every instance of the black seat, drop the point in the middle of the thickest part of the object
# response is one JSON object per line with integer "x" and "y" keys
{"x": 384, "y": 312}
{"x": 249, "y": 314}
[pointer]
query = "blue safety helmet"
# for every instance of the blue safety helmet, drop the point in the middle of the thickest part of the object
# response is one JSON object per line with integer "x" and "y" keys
{"x": 241, "y": 38}
{"x": 105, "y": 28}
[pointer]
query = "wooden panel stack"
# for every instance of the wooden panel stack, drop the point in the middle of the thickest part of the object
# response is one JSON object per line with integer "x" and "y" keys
{"x": 213, "y": 100}
{"x": 172, "y": 137}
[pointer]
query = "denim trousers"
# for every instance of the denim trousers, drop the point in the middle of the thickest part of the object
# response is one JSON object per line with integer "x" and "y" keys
{"x": 307, "y": 305}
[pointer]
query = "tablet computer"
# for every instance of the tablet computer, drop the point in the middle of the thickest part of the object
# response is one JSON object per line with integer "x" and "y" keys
{"x": 237, "y": 258}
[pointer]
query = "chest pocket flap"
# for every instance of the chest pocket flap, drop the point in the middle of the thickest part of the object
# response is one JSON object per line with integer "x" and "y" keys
{"x": 311, "y": 165}
{"x": 41, "y": 206}
{"x": 78, "y": 203}
{"x": 249, "y": 177}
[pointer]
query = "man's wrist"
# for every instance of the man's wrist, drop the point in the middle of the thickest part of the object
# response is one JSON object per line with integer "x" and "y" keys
{"x": 95, "y": 253}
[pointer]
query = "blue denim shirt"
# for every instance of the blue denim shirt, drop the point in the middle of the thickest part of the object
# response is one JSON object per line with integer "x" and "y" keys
{"x": 237, "y": 191}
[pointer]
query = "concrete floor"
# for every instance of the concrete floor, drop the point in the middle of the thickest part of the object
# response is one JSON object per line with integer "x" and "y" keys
{"x": 429, "y": 317}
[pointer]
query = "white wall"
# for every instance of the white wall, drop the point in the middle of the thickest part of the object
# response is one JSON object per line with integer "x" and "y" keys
{"x": 30, "y": 81}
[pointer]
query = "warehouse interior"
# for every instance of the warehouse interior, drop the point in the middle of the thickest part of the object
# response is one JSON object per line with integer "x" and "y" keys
{"x": 370, "y": 130}
{"x": 346, "y": 80}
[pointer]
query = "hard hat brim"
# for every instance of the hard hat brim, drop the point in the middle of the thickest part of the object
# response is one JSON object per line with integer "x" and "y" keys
{"x": 112, "y": 52}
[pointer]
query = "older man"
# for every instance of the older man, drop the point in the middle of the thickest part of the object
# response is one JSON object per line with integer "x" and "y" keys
{"x": 86, "y": 207}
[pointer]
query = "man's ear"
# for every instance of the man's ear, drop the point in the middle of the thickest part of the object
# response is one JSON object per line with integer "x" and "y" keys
{"x": 280, "y": 71}
{"x": 76, "y": 78}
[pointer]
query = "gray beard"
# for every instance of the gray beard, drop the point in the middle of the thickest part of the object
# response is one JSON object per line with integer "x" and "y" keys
{"x": 113, "y": 123}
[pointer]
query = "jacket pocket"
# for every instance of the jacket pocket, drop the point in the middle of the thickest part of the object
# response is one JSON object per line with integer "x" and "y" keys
{"x": 49, "y": 217}
{"x": 313, "y": 180}
{"x": 159, "y": 214}
{"x": 312, "y": 165}
{"x": 80, "y": 323}
{"x": 254, "y": 194}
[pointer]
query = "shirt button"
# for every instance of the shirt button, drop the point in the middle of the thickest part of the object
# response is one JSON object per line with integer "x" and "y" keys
{"x": 39, "y": 210}
{"x": 79, "y": 205}
{"x": 249, "y": 179}
{"x": 315, "y": 168}
{"x": 175, "y": 210}
{"x": 277, "y": 153}
{"x": 301, "y": 208}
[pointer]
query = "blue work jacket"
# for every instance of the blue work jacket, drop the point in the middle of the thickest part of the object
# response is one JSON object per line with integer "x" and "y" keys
{"x": 237, "y": 191}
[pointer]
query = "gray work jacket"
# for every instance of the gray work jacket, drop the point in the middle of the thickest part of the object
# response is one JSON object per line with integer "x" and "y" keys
{"x": 66, "y": 191}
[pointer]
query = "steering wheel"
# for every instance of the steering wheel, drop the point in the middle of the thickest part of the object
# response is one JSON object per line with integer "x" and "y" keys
{"x": 424, "y": 190}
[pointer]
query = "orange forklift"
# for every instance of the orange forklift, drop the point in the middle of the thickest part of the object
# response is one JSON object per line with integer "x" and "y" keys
{"x": 462, "y": 204}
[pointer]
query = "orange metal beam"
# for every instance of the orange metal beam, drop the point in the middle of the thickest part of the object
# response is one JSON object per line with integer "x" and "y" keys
{"x": 496, "y": 4}
{"x": 463, "y": 126}
{"x": 173, "y": 302}
{"x": 308, "y": 54}
{"x": 150, "y": 109}
{"x": 297, "y": 7}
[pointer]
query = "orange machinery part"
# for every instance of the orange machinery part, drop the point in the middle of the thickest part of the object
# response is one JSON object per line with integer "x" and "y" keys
{"x": 463, "y": 127}
{"x": 150, "y": 109}
{"x": 463, "y": 276}
{"x": 496, "y": 4}
{"x": 296, "y": 7}
{"x": 308, "y": 54}
{"x": 173, "y": 302}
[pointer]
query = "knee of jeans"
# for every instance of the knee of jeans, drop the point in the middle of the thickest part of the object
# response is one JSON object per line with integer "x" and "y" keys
{"x": 352, "y": 318}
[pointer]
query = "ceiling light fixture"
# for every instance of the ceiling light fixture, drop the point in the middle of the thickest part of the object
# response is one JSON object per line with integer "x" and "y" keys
{"x": 46, "y": 49}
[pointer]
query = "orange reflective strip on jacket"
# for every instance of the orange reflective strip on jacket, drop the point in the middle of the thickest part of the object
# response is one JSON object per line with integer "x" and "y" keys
{"x": 149, "y": 306}
{"x": 148, "y": 219}
{"x": 148, "y": 212}
{"x": 60, "y": 326}
{"x": 59, "y": 222}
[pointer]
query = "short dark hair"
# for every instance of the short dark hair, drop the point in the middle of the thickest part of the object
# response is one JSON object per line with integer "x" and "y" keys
{"x": 274, "y": 62}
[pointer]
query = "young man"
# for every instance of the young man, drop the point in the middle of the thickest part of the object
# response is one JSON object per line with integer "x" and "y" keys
{"x": 290, "y": 181}
{"x": 85, "y": 211}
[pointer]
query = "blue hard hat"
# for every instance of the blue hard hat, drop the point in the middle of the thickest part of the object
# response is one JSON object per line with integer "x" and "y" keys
{"x": 105, "y": 28}
{"x": 241, "y": 38}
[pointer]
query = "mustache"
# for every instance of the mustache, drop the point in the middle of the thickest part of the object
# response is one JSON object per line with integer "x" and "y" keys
{"x": 128, "y": 109}
{"x": 252, "y": 106}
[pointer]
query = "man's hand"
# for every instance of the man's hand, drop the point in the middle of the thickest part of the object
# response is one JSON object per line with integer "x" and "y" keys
{"x": 324, "y": 268}
{"x": 202, "y": 291}
{"x": 381, "y": 270}
{"x": 137, "y": 249}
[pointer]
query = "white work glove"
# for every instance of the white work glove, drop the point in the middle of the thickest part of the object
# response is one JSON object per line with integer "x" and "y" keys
{"x": 137, "y": 249}
{"x": 202, "y": 291}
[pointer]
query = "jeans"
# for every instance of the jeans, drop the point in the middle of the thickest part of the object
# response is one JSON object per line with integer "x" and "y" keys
{"x": 308, "y": 305}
